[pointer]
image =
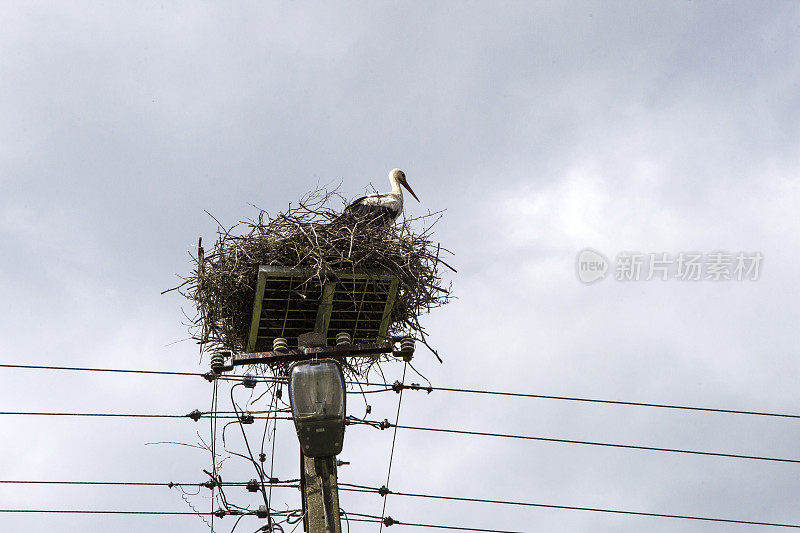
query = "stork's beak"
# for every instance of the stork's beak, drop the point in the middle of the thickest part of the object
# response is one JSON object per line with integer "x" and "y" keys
{"x": 405, "y": 184}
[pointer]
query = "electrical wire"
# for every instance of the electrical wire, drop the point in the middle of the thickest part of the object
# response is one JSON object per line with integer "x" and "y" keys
{"x": 213, "y": 434}
{"x": 394, "y": 438}
{"x": 601, "y": 401}
{"x": 168, "y": 484}
{"x": 119, "y": 415}
{"x": 402, "y": 386}
{"x": 197, "y": 414}
{"x": 117, "y": 370}
{"x": 289, "y": 483}
{"x": 273, "y": 405}
{"x": 352, "y": 487}
{"x": 394, "y": 522}
{"x": 388, "y": 387}
{"x": 385, "y": 424}
{"x": 210, "y": 376}
{"x": 220, "y": 513}
{"x": 347, "y": 487}
{"x": 102, "y": 511}
{"x": 259, "y": 468}
{"x": 397, "y": 386}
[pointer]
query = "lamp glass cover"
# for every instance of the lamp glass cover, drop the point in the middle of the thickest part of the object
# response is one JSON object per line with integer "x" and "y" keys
{"x": 317, "y": 391}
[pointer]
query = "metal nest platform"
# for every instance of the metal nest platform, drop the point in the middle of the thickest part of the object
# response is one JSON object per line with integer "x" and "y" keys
{"x": 290, "y": 302}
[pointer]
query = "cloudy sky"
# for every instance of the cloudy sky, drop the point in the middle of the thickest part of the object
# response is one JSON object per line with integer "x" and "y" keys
{"x": 542, "y": 129}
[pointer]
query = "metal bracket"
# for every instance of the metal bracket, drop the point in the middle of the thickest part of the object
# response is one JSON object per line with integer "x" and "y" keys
{"x": 301, "y": 354}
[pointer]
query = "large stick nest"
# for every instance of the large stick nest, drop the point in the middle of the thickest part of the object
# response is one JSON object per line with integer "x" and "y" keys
{"x": 315, "y": 237}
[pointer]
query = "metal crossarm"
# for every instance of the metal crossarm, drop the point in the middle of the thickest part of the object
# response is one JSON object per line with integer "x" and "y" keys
{"x": 302, "y": 354}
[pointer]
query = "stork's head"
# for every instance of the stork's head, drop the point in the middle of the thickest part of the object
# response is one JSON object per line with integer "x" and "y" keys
{"x": 398, "y": 176}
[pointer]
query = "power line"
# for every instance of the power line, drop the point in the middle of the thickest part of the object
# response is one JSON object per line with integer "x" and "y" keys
{"x": 291, "y": 483}
{"x": 214, "y": 476}
{"x": 100, "y": 511}
{"x": 111, "y": 483}
{"x": 571, "y": 508}
{"x": 385, "y": 424}
{"x": 392, "y": 522}
{"x": 259, "y": 468}
{"x": 193, "y": 415}
{"x": 273, "y": 405}
{"x": 394, "y": 438}
{"x": 219, "y": 513}
{"x": 119, "y": 415}
{"x": 207, "y": 375}
{"x": 587, "y": 400}
{"x": 117, "y": 370}
{"x": 388, "y": 387}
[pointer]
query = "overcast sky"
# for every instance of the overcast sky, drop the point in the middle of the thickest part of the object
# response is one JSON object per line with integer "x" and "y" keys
{"x": 542, "y": 129}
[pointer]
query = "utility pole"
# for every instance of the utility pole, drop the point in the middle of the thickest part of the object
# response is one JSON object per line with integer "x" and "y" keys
{"x": 318, "y": 479}
{"x": 320, "y": 495}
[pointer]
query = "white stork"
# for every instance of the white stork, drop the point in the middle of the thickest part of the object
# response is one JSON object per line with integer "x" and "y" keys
{"x": 382, "y": 208}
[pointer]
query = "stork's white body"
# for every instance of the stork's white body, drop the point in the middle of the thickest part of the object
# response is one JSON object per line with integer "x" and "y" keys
{"x": 386, "y": 206}
{"x": 393, "y": 201}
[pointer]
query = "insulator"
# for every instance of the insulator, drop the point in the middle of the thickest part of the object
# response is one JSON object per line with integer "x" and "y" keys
{"x": 217, "y": 362}
{"x": 343, "y": 338}
{"x": 279, "y": 344}
{"x": 407, "y": 345}
{"x": 252, "y": 485}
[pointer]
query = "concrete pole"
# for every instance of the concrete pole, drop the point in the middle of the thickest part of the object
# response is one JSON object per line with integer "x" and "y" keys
{"x": 321, "y": 495}
{"x": 318, "y": 474}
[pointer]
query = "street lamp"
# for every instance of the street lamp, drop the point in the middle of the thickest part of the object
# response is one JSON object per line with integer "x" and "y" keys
{"x": 317, "y": 395}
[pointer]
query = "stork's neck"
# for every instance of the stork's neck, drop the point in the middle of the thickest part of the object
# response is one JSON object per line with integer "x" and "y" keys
{"x": 396, "y": 190}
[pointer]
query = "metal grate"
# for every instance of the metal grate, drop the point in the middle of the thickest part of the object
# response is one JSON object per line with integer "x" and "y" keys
{"x": 288, "y": 303}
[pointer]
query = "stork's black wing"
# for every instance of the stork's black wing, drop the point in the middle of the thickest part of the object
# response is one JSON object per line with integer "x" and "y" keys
{"x": 371, "y": 213}
{"x": 353, "y": 204}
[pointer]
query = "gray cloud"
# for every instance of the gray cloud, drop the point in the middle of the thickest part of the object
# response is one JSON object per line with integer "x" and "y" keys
{"x": 541, "y": 129}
